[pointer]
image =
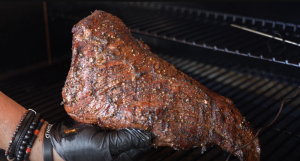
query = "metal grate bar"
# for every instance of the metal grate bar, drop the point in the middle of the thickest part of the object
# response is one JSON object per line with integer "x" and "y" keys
{"x": 262, "y": 111}
{"x": 160, "y": 21}
{"x": 146, "y": 20}
{"x": 174, "y": 28}
{"x": 206, "y": 38}
{"x": 177, "y": 155}
{"x": 247, "y": 41}
{"x": 151, "y": 154}
{"x": 197, "y": 29}
{"x": 279, "y": 143}
{"x": 232, "y": 43}
{"x": 245, "y": 20}
{"x": 210, "y": 84}
{"x": 228, "y": 91}
{"x": 182, "y": 29}
{"x": 162, "y": 25}
{"x": 149, "y": 23}
{"x": 266, "y": 89}
{"x": 267, "y": 117}
{"x": 193, "y": 155}
{"x": 223, "y": 158}
{"x": 283, "y": 153}
{"x": 207, "y": 32}
{"x": 261, "y": 101}
{"x": 217, "y": 35}
{"x": 292, "y": 151}
{"x": 251, "y": 93}
{"x": 211, "y": 155}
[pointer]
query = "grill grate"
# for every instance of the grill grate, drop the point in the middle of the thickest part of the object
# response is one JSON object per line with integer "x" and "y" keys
{"x": 258, "y": 99}
{"x": 208, "y": 29}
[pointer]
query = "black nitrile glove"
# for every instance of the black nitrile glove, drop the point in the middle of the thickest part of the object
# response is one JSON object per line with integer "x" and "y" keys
{"x": 75, "y": 141}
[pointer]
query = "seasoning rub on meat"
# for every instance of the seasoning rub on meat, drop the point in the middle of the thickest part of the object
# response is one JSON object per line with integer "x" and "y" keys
{"x": 116, "y": 82}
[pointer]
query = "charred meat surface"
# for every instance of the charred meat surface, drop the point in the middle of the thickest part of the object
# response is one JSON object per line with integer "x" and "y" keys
{"x": 116, "y": 82}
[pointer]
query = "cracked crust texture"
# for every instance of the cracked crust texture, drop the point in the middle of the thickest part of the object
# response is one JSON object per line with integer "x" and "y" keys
{"x": 116, "y": 82}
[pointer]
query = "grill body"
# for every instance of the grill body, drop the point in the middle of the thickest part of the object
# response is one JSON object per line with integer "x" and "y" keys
{"x": 229, "y": 61}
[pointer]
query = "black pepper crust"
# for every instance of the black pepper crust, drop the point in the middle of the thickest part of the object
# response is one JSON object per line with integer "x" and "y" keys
{"x": 116, "y": 82}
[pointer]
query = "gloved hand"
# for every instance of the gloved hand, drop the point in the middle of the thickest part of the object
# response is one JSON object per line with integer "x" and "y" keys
{"x": 75, "y": 141}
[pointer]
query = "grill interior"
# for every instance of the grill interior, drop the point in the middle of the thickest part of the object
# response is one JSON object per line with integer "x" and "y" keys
{"x": 207, "y": 29}
{"x": 257, "y": 97}
{"x": 203, "y": 45}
